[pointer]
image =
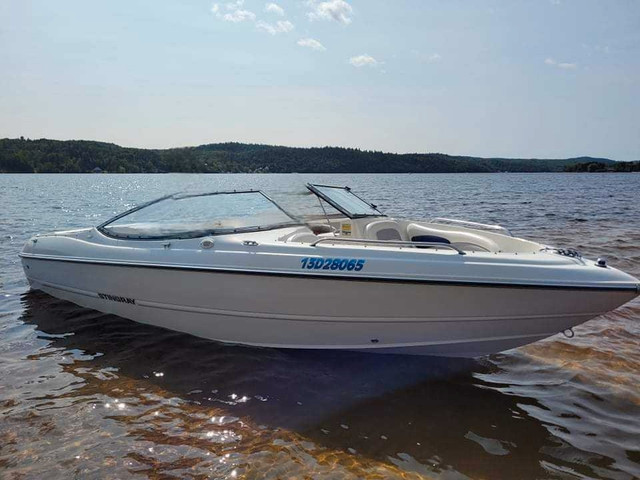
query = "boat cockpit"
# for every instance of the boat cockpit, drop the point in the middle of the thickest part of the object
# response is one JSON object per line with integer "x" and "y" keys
{"x": 340, "y": 217}
{"x": 347, "y": 218}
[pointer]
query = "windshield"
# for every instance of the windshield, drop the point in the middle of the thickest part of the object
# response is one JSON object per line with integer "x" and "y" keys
{"x": 345, "y": 201}
{"x": 188, "y": 216}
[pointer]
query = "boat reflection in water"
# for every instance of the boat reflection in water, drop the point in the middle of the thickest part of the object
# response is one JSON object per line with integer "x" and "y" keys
{"x": 129, "y": 398}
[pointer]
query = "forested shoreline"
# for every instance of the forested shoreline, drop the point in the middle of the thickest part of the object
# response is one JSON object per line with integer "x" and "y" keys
{"x": 599, "y": 167}
{"x": 80, "y": 156}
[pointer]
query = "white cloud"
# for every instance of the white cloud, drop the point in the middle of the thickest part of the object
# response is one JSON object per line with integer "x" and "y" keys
{"x": 239, "y": 16}
{"x": 274, "y": 8}
{"x": 563, "y": 65}
{"x": 436, "y": 57}
{"x": 338, "y": 10}
{"x": 312, "y": 44}
{"x": 281, "y": 26}
{"x": 234, "y": 12}
{"x": 364, "y": 61}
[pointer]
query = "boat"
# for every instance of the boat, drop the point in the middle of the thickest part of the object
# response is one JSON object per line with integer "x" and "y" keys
{"x": 240, "y": 268}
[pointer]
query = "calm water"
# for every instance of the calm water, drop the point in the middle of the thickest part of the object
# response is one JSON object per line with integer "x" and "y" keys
{"x": 87, "y": 395}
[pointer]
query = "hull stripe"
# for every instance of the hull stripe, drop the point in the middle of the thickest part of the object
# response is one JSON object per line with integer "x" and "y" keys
{"x": 317, "y": 318}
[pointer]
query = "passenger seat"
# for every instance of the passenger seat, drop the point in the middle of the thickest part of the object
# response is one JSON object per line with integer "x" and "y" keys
{"x": 464, "y": 240}
{"x": 384, "y": 230}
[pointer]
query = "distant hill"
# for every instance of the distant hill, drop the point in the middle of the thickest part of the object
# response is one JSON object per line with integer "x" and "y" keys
{"x": 597, "y": 165}
{"x": 80, "y": 156}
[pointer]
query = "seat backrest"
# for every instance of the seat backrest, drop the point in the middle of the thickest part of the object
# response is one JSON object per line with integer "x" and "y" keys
{"x": 384, "y": 230}
{"x": 303, "y": 237}
{"x": 467, "y": 239}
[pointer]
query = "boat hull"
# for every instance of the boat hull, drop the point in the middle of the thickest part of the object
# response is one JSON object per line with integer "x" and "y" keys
{"x": 306, "y": 312}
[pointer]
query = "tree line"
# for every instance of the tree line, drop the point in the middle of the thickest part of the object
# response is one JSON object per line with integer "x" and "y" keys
{"x": 595, "y": 167}
{"x": 80, "y": 156}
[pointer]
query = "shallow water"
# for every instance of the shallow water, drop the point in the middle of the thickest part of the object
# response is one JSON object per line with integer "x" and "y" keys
{"x": 87, "y": 395}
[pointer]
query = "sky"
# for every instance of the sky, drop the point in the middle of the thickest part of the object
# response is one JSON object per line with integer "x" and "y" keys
{"x": 509, "y": 78}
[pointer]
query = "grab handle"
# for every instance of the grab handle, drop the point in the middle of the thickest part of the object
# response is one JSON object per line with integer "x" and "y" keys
{"x": 400, "y": 243}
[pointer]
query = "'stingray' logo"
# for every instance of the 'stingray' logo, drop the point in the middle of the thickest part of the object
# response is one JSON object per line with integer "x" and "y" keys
{"x": 113, "y": 298}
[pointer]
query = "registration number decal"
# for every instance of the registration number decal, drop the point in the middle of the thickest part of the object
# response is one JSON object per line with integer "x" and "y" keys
{"x": 350, "y": 264}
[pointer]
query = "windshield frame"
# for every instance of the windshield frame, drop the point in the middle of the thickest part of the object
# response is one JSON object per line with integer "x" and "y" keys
{"x": 198, "y": 233}
{"x": 313, "y": 188}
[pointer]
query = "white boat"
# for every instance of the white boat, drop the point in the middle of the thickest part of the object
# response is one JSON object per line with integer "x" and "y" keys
{"x": 236, "y": 267}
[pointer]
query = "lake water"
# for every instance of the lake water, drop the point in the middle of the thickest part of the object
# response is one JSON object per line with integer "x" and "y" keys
{"x": 87, "y": 395}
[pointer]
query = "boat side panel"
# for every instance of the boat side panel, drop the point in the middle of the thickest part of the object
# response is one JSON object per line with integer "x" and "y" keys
{"x": 299, "y": 312}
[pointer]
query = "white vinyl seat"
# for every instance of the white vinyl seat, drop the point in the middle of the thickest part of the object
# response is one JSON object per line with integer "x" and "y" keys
{"x": 302, "y": 237}
{"x": 464, "y": 240}
{"x": 384, "y": 230}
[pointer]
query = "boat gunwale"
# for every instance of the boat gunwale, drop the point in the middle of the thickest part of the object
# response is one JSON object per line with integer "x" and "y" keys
{"x": 227, "y": 270}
